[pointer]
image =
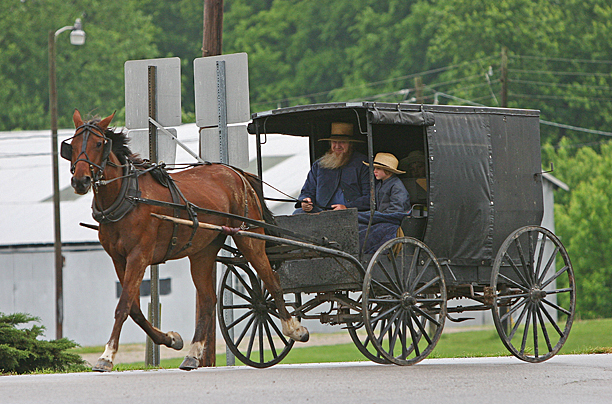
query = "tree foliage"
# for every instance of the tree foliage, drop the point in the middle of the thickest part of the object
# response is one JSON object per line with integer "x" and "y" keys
{"x": 22, "y": 352}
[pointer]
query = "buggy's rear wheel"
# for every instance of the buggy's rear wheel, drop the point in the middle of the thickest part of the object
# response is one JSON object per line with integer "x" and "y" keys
{"x": 364, "y": 344}
{"x": 535, "y": 298}
{"x": 404, "y": 301}
{"x": 253, "y": 330}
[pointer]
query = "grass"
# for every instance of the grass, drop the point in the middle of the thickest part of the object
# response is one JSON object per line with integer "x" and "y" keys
{"x": 586, "y": 337}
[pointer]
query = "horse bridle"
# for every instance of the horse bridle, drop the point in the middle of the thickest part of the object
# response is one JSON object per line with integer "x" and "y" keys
{"x": 86, "y": 129}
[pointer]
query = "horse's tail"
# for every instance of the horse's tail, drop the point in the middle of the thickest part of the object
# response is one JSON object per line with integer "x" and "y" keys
{"x": 257, "y": 185}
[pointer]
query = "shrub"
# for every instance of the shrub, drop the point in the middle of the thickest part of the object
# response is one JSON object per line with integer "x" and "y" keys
{"x": 22, "y": 352}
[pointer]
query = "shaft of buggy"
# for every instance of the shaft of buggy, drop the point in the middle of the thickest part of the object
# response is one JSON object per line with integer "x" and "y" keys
{"x": 234, "y": 231}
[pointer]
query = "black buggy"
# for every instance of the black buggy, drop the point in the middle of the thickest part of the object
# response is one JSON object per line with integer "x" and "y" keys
{"x": 474, "y": 235}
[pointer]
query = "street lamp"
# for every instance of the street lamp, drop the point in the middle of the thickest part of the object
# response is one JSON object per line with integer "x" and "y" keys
{"x": 77, "y": 37}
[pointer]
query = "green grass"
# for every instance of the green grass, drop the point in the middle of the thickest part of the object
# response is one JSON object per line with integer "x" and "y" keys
{"x": 586, "y": 337}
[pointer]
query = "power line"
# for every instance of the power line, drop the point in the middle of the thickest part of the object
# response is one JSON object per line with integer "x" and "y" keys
{"x": 608, "y": 62}
{"x": 557, "y": 73}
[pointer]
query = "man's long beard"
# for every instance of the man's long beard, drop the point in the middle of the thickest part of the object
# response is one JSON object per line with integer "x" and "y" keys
{"x": 332, "y": 161}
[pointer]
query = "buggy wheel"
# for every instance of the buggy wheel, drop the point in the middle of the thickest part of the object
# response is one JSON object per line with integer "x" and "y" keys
{"x": 253, "y": 329}
{"x": 404, "y": 301}
{"x": 535, "y": 298}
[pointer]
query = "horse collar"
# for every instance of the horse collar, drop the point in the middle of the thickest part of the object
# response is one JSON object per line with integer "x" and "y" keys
{"x": 124, "y": 203}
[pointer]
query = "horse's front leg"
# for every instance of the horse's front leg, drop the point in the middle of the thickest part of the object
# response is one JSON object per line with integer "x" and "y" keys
{"x": 132, "y": 277}
{"x": 254, "y": 251}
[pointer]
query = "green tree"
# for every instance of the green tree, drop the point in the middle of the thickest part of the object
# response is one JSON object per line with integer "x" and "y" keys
{"x": 584, "y": 222}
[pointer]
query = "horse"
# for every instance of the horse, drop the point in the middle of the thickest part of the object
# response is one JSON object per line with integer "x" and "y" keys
{"x": 101, "y": 159}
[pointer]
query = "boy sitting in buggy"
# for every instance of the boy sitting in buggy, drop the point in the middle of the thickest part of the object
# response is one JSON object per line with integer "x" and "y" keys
{"x": 392, "y": 204}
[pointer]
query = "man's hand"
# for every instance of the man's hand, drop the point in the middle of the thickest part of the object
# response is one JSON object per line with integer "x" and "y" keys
{"x": 307, "y": 205}
{"x": 338, "y": 207}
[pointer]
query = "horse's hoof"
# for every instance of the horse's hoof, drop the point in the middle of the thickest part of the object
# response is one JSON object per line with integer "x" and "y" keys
{"x": 305, "y": 336}
{"x": 177, "y": 341}
{"x": 189, "y": 363}
{"x": 103, "y": 365}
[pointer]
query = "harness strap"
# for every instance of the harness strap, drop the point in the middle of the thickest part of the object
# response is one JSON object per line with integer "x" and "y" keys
{"x": 124, "y": 203}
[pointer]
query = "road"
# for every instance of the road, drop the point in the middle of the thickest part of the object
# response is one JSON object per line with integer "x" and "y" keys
{"x": 563, "y": 379}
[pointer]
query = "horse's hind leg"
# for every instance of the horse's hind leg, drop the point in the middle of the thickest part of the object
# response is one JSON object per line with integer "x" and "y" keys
{"x": 202, "y": 351}
{"x": 254, "y": 251}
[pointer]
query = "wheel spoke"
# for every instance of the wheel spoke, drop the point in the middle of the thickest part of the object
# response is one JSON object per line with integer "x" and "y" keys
{"x": 523, "y": 288}
{"x": 524, "y": 262}
{"x": 555, "y": 276}
{"x": 428, "y": 284}
{"x": 555, "y": 306}
{"x": 391, "y": 281}
{"x": 526, "y": 330}
{"x": 374, "y": 281}
{"x": 420, "y": 275}
{"x": 535, "y": 331}
{"x": 426, "y": 315}
{"x": 239, "y": 319}
{"x": 552, "y": 321}
{"x": 270, "y": 340}
{"x": 275, "y": 327}
{"x": 242, "y": 295}
{"x": 399, "y": 275}
{"x": 387, "y": 327}
{"x": 550, "y": 262}
{"x": 241, "y": 279}
{"x": 421, "y": 326}
{"x": 252, "y": 339}
{"x": 516, "y": 270}
{"x": 513, "y": 310}
{"x": 415, "y": 341}
{"x": 238, "y": 306}
{"x": 245, "y": 330}
{"x": 518, "y": 322}
{"x": 543, "y": 327}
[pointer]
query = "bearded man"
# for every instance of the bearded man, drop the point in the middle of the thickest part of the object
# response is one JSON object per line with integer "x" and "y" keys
{"x": 339, "y": 179}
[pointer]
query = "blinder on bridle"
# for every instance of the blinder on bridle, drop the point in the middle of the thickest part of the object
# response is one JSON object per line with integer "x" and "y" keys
{"x": 86, "y": 129}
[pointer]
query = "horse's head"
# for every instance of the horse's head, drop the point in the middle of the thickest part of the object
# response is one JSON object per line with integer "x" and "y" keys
{"x": 88, "y": 151}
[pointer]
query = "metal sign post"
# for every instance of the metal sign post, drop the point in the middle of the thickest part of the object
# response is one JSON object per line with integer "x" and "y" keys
{"x": 215, "y": 110}
{"x": 152, "y": 350}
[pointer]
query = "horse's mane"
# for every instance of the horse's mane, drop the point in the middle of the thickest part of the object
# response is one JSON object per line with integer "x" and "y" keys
{"x": 121, "y": 142}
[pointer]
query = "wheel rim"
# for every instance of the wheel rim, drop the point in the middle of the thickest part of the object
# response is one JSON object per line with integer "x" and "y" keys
{"x": 535, "y": 302}
{"x": 257, "y": 338}
{"x": 364, "y": 344}
{"x": 404, "y": 301}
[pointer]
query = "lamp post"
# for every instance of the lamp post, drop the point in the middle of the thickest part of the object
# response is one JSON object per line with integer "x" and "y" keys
{"x": 77, "y": 37}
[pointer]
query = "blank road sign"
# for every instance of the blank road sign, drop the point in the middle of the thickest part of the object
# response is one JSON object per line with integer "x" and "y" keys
{"x": 236, "y": 89}
{"x": 137, "y": 92}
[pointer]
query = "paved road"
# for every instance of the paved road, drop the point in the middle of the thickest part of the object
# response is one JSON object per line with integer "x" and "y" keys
{"x": 572, "y": 379}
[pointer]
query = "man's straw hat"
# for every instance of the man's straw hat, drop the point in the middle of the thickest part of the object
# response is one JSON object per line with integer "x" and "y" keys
{"x": 386, "y": 161}
{"x": 342, "y": 132}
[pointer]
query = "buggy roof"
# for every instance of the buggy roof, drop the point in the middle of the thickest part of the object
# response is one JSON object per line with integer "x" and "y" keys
{"x": 483, "y": 164}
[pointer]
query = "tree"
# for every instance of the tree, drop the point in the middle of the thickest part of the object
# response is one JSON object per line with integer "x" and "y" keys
{"x": 584, "y": 222}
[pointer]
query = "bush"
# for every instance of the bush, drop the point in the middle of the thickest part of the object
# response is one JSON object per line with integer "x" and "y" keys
{"x": 22, "y": 352}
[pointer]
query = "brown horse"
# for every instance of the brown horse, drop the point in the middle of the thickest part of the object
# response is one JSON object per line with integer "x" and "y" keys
{"x": 100, "y": 159}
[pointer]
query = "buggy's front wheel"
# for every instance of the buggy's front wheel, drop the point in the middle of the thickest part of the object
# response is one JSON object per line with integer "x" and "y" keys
{"x": 404, "y": 301}
{"x": 250, "y": 324}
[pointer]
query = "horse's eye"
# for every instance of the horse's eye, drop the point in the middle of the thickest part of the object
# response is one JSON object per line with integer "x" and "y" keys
{"x": 99, "y": 144}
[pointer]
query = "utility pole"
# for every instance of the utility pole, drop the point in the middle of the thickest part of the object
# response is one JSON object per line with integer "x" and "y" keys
{"x": 504, "y": 77}
{"x": 212, "y": 45}
{"x": 418, "y": 84}
{"x": 212, "y": 39}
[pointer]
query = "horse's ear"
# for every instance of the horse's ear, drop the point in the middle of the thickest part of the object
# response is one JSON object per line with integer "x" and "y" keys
{"x": 106, "y": 121}
{"x": 76, "y": 117}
